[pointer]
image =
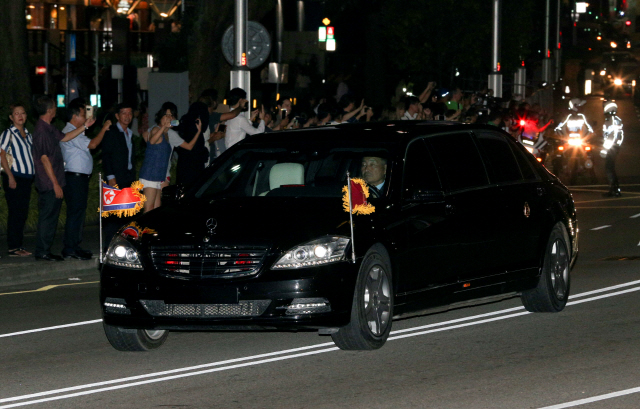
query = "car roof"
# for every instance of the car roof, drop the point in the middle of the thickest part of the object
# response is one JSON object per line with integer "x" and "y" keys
{"x": 395, "y": 132}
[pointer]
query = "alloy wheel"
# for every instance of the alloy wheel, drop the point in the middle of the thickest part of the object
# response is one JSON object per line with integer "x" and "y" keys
{"x": 377, "y": 300}
{"x": 559, "y": 263}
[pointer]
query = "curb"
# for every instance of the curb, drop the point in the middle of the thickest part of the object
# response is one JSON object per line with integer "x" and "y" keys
{"x": 37, "y": 271}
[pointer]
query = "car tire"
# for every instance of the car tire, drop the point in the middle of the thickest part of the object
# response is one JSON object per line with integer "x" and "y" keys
{"x": 372, "y": 308}
{"x": 124, "y": 339}
{"x": 552, "y": 291}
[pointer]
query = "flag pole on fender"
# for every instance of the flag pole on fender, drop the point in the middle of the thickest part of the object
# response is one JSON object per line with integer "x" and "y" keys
{"x": 353, "y": 248}
{"x": 100, "y": 192}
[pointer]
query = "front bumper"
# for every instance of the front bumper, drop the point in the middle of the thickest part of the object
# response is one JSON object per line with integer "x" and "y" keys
{"x": 323, "y": 297}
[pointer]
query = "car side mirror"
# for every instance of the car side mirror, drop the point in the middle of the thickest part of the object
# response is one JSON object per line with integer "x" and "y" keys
{"x": 172, "y": 194}
{"x": 427, "y": 196}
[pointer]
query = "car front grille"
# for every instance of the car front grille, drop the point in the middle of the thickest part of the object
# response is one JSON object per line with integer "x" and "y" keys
{"x": 251, "y": 308}
{"x": 208, "y": 261}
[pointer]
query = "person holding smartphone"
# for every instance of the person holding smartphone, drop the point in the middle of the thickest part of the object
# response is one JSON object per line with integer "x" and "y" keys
{"x": 162, "y": 140}
{"x": 240, "y": 126}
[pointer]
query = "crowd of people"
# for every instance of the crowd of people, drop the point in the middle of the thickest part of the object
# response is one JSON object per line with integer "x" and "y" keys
{"x": 60, "y": 162}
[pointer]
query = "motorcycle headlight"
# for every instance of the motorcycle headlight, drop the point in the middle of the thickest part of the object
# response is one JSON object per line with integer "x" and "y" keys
{"x": 121, "y": 253}
{"x": 617, "y": 81}
{"x": 318, "y": 252}
{"x": 575, "y": 142}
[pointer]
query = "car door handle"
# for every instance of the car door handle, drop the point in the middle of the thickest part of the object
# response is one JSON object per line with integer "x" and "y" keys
{"x": 540, "y": 191}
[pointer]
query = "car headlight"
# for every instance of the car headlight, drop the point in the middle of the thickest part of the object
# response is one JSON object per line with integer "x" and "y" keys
{"x": 121, "y": 253}
{"x": 617, "y": 81}
{"x": 318, "y": 252}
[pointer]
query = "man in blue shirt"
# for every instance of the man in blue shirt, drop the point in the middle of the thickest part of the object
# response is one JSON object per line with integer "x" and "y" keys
{"x": 78, "y": 165}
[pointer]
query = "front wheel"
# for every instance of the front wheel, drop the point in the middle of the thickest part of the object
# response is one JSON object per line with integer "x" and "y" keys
{"x": 124, "y": 339}
{"x": 552, "y": 291}
{"x": 372, "y": 308}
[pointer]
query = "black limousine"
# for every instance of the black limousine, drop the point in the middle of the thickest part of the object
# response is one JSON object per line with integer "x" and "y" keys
{"x": 264, "y": 238}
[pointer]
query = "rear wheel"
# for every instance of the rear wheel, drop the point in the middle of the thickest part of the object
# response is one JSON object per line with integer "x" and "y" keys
{"x": 124, "y": 339}
{"x": 552, "y": 291}
{"x": 372, "y": 308}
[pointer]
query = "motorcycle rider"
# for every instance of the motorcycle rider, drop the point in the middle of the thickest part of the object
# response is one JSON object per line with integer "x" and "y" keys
{"x": 613, "y": 135}
{"x": 575, "y": 125}
{"x": 574, "y": 130}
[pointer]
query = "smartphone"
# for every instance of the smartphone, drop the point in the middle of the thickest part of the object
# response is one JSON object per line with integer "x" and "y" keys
{"x": 175, "y": 122}
{"x": 283, "y": 114}
{"x": 89, "y": 111}
{"x": 222, "y": 128}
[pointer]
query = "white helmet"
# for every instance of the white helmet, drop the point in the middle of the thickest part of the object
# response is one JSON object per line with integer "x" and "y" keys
{"x": 610, "y": 108}
{"x": 574, "y": 103}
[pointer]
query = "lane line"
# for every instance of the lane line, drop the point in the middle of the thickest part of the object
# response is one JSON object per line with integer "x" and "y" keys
{"x": 598, "y": 398}
{"x": 30, "y": 331}
{"x": 610, "y": 199}
{"x": 601, "y": 227}
{"x": 246, "y": 364}
{"x": 48, "y": 287}
{"x": 571, "y": 297}
{"x": 608, "y": 207}
{"x": 635, "y": 216}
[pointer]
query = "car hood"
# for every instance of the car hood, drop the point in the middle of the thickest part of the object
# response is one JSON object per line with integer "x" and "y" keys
{"x": 278, "y": 223}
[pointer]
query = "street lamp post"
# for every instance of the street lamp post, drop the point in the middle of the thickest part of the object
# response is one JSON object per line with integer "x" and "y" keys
{"x": 546, "y": 63}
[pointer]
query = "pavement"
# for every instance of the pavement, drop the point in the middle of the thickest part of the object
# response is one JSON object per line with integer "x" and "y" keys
{"x": 18, "y": 271}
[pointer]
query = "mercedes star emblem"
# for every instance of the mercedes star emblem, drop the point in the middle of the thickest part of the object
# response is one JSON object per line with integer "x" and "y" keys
{"x": 211, "y": 225}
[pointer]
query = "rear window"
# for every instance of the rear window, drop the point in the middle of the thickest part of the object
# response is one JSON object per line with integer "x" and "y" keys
{"x": 459, "y": 163}
{"x": 501, "y": 163}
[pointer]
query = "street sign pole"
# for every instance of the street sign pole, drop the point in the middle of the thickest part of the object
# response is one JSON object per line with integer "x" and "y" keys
{"x": 495, "y": 78}
{"x": 240, "y": 74}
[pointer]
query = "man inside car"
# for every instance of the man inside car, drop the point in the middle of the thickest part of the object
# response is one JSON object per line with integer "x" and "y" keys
{"x": 373, "y": 170}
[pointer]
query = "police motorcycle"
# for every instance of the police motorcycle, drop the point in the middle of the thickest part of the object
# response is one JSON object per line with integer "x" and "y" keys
{"x": 573, "y": 148}
{"x": 612, "y": 140}
{"x": 532, "y": 137}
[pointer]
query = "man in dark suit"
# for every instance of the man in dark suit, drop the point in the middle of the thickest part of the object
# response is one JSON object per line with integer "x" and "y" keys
{"x": 118, "y": 165}
{"x": 117, "y": 149}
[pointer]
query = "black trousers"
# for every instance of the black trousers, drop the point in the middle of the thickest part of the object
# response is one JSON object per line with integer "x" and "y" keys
{"x": 610, "y": 167}
{"x": 76, "y": 193}
{"x": 49, "y": 211}
{"x": 18, "y": 205}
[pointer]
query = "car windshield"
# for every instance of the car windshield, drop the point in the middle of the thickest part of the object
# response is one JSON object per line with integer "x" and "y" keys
{"x": 284, "y": 172}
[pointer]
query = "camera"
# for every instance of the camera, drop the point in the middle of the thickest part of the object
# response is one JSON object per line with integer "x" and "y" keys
{"x": 175, "y": 122}
{"x": 89, "y": 112}
{"x": 283, "y": 114}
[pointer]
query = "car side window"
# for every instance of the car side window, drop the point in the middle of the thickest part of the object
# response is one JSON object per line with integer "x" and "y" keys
{"x": 420, "y": 172}
{"x": 501, "y": 163}
{"x": 458, "y": 161}
{"x": 524, "y": 163}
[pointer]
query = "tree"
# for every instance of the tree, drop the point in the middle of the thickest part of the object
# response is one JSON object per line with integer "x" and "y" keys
{"x": 14, "y": 60}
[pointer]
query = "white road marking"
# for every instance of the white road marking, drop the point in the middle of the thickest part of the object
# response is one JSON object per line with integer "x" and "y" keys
{"x": 601, "y": 227}
{"x": 220, "y": 367}
{"x": 587, "y": 293}
{"x": 635, "y": 216}
{"x": 586, "y": 401}
{"x": 75, "y": 324}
